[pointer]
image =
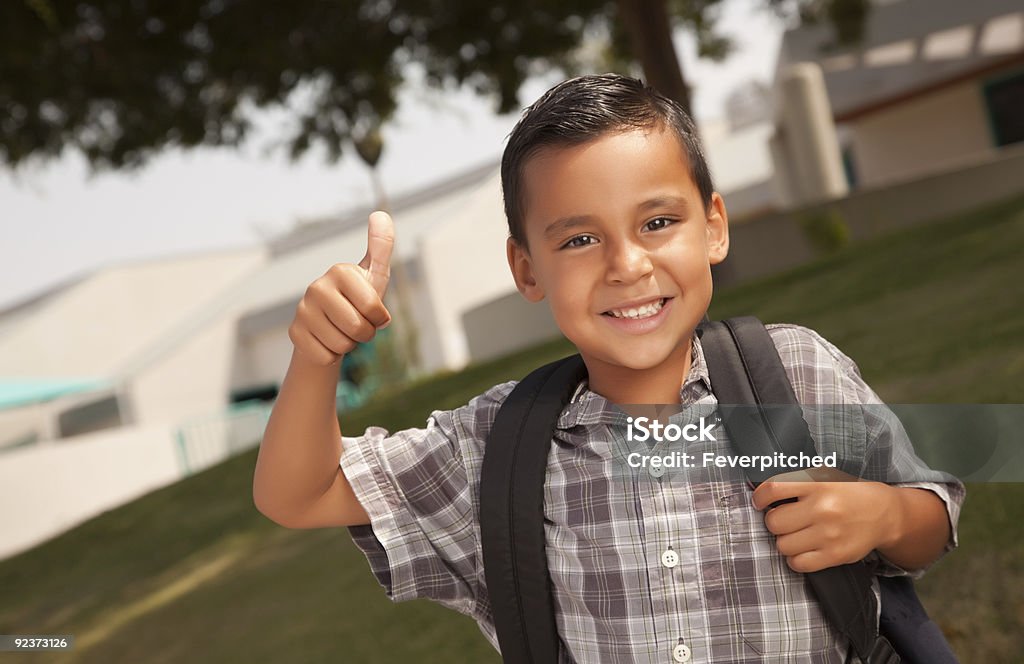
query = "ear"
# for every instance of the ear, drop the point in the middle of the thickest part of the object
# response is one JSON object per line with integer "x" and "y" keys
{"x": 522, "y": 271}
{"x": 718, "y": 230}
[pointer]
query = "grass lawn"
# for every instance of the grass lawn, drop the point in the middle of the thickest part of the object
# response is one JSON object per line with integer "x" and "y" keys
{"x": 193, "y": 572}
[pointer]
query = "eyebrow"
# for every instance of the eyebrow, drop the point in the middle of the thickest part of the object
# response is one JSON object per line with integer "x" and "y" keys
{"x": 567, "y": 223}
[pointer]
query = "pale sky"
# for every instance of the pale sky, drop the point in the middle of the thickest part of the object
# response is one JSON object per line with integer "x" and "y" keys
{"x": 57, "y": 222}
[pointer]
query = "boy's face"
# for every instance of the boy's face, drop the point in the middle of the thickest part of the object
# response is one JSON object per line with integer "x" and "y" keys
{"x": 618, "y": 224}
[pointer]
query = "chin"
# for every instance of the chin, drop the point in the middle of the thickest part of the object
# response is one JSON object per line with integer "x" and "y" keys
{"x": 639, "y": 361}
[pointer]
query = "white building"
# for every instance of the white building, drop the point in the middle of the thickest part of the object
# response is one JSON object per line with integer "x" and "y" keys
{"x": 936, "y": 85}
{"x": 128, "y": 343}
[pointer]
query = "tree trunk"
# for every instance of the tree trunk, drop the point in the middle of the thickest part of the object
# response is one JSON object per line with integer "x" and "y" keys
{"x": 650, "y": 34}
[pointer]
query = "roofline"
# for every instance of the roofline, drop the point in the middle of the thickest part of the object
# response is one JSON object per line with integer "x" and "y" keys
{"x": 331, "y": 225}
{"x": 882, "y": 104}
{"x": 27, "y": 301}
{"x": 38, "y": 297}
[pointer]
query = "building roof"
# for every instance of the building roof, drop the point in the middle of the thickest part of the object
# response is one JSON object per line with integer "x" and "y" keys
{"x": 268, "y": 294}
{"x": 311, "y": 233}
{"x": 92, "y": 326}
{"x": 18, "y": 392}
{"x": 909, "y": 47}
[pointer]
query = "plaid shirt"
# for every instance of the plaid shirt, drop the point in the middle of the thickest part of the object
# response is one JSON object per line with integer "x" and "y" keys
{"x": 643, "y": 570}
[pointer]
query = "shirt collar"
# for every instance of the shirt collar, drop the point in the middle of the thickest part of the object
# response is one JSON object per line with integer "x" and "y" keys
{"x": 587, "y": 407}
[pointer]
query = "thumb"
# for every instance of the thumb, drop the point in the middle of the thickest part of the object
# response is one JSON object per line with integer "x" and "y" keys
{"x": 380, "y": 241}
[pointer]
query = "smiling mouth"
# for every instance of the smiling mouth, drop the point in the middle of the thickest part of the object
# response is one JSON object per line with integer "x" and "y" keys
{"x": 637, "y": 313}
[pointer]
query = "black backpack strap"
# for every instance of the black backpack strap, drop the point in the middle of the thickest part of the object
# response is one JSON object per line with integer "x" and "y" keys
{"x": 905, "y": 623}
{"x": 745, "y": 370}
{"x": 512, "y": 512}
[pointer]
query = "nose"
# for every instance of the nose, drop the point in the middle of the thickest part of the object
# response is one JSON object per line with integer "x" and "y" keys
{"x": 627, "y": 262}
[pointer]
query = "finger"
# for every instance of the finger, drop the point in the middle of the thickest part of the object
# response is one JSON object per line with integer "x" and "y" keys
{"x": 795, "y": 544}
{"x": 348, "y": 287}
{"x": 332, "y": 337}
{"x": 380, "y": 240}
{"x": 787, "y": 519}
{"x": 812, "y": 561}
{"x": 773, "y": 490}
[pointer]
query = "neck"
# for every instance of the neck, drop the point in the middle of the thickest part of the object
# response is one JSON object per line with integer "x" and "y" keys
{"x": 657, "y": 385}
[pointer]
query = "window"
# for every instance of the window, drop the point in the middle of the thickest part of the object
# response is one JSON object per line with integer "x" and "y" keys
{"x": 1004, "y": 100}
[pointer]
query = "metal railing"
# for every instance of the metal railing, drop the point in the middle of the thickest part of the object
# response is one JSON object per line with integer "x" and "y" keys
{"x": 206, "y": 441}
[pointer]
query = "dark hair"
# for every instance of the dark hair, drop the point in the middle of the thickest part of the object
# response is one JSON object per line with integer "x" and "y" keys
{"x": 585, "y": 108}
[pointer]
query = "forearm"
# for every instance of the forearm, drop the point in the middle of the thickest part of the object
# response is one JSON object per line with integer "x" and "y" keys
{"x": 919, "y": 529}
{"x": 298, "y": 458}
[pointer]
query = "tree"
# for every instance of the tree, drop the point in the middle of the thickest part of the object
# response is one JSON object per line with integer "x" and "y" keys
{"x": 121, "y": 80}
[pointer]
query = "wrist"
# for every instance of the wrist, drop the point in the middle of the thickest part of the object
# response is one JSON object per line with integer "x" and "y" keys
{"x": 305, "y": 364}
{"x": 895, "y": 523}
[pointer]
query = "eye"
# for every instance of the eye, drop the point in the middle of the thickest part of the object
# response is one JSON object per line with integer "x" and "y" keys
{"x": 659, "y": 223}
{"x": 578, "y": 241}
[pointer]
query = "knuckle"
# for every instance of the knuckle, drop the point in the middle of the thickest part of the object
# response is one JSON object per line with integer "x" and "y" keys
{"x": 381, "y": 312}
{"x": 363, "y": 332}
{"x": 340, "y": 273}
{"x": 318, "y": 288}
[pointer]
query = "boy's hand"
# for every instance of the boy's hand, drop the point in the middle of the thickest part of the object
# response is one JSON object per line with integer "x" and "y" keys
{"x": 835, "y": 519}
{"x": 345, "y": 306}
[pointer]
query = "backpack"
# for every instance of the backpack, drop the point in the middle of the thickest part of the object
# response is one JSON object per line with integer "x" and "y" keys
{"x": 745, "y": 369}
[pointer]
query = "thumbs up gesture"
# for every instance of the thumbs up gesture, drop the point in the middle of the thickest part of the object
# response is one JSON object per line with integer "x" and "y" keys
{"x": 345, "y": 306}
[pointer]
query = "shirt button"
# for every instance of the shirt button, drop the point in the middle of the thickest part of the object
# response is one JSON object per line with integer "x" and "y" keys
{"x": 656, "y": 471}
{"x": 670, "y": 558}
{"x": 681, "y": 653}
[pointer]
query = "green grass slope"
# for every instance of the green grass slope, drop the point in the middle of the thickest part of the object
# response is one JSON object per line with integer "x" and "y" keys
{"x": 194, "y": 573}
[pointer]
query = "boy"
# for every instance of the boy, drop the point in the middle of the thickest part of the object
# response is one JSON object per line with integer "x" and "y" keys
{"x": 614, "y": 221}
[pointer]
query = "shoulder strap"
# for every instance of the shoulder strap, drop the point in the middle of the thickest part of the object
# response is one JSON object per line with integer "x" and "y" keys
{"x": 746, "y": 370}
{"x": 512, "y": 512}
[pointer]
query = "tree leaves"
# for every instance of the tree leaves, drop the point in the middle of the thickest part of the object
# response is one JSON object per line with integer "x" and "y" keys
{"x": 120, "y": 80}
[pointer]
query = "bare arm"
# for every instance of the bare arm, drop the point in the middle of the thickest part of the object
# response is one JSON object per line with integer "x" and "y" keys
{"x": 298, "y": 482}
{"x": 920, "y": 528}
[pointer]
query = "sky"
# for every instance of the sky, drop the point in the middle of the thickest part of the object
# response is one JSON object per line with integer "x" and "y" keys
{"x": 58, "y": 221}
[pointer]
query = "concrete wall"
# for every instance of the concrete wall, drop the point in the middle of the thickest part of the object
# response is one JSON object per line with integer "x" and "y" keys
{"x": 931, "y": 133}
{"x": 261, "y": 359}
{"x": 464, "y": 265}
{"x": 191, "y": 378}
{"x": 105, "y": 320}
{"x": 773, "y": 243}
{"x": 50, "y": 487}
{"x": 805, "y": 149}
{"x": 46, "y": 489}
{"x": 506, "y": 324}
{"x": 33, "y": 421}
{"x": 68, "y": 415}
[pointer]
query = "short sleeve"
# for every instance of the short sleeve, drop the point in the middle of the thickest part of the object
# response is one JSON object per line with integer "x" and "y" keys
{"x": 822, "y": 374}
{"x": 420, "y": 489}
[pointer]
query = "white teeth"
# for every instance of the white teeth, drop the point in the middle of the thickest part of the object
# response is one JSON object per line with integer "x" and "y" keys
{"x": 643, "y": 312}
